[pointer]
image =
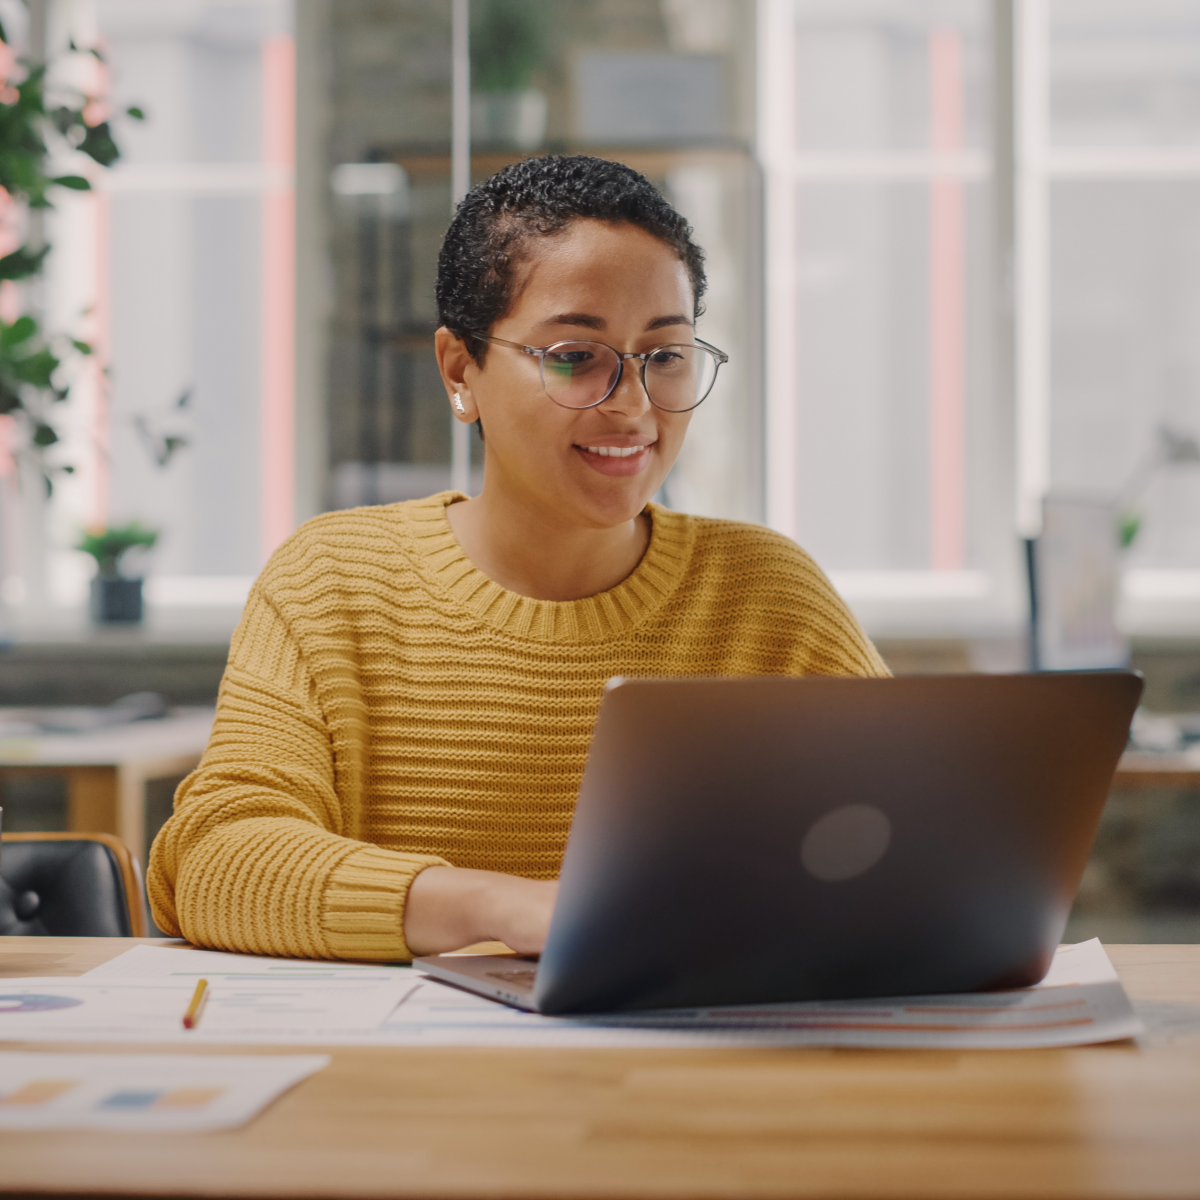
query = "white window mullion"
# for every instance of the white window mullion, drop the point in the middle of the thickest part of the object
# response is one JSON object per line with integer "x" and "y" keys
{"x": 1031, "y": 265}
{"x": 777, "y": 149}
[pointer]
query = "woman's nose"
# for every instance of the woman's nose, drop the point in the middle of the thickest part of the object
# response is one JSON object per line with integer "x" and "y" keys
{"x": 629, "y": 396}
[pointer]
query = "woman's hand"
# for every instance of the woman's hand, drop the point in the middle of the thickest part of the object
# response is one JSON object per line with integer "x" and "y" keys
{"x": 452, "y": 907}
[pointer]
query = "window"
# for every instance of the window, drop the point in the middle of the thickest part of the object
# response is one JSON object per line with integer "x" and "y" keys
{"x": 186, "y": 250}
{"x": 1121, "y": 182}
{"x": 983, "y": 286}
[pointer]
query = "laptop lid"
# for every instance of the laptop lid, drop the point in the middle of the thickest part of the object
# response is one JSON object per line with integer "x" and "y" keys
{"x": 754, "y": 840}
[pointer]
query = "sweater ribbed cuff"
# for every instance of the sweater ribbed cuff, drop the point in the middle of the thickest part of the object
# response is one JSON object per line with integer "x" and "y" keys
{"x": 362, "y": 911}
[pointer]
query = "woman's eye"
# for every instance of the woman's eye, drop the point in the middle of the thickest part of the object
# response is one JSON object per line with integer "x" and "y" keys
{"x": 663, "y": 358}
{"x": 569, "y": 358}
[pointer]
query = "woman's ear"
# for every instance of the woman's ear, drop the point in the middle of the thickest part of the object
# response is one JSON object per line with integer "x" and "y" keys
{"x": 457, "y": 367}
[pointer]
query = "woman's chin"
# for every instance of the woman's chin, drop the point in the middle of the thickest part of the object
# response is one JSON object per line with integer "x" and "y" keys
{"x": 608, "y": 507}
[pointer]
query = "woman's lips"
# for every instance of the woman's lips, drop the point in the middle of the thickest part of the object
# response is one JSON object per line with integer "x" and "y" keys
{"x": 616, "y": 460}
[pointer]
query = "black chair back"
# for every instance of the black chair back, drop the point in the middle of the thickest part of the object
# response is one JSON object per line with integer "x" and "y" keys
{"x": 68, "y": 885}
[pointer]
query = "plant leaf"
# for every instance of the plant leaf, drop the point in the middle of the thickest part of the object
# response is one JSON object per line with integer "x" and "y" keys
{"x": 1129, "y": 525}
{"x": 136, "y": 112}
{"x": 107, "y": 545}
{"x": 99, "y": 145}
{"x": 36, "y": 368}
{"x": 22, "y": 262}
{"x": 76, "y": 182}
{"x": 65, "y": 119}
{"x": 44, "y": 435}
{"x": 82, "y": 347}
{"x": 21, "y": 330}
{"x": 171, "y": 444}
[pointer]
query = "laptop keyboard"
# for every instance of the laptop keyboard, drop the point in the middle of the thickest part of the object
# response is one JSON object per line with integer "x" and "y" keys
{"x": 523, "y": 977}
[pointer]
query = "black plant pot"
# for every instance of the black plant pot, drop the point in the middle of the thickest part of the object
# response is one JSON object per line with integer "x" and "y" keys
{"x": 116, "y": 601}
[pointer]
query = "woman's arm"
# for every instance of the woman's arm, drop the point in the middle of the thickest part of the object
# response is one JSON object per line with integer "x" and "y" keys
{"x": 263, "y": 852}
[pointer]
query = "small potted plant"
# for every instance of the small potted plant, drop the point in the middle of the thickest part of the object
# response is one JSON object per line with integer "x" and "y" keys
{"x": 507, "y": 43}
{"x": 114, "y": 597}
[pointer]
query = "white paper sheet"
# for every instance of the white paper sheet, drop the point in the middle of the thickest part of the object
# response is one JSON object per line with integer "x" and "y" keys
{"x": 144, "y": 1093}
{"x": 186, "y": 962}
{"x": 288, "y": 1011}
{"x": 1081, "y": 1000}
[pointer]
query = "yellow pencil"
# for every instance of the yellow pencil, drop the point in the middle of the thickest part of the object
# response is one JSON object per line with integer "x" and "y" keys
{"x": 191, "y": 1018}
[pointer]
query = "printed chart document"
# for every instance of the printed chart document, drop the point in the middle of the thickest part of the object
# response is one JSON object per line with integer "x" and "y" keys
{"x": 144, "y": 1093}
{"x": 278, "y": 1001}
{"x": 1081, "y": 1000}
{"x": 251, "y": 1010}
{"x": 186, "y": 962}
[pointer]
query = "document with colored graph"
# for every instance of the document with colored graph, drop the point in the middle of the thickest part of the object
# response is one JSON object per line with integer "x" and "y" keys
{"x": 145, "y": 1093}
{"x": 280, "y": 1001}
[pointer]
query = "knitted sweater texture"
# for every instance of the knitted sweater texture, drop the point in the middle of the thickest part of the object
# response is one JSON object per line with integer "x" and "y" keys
{"x": 387, "y": 707}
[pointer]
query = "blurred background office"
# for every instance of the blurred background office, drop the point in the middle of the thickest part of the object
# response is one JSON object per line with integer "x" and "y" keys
{"x": 953, "y": 251}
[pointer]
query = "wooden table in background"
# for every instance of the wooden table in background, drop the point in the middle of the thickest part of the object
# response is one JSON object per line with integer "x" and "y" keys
{"x": 107, "y": 771}
{"x": 1097, "y": 1121}
{"x": 1143, "y": 768}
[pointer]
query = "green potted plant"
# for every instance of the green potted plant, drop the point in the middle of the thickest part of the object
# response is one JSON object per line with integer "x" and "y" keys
{"x": 37, "y": 125}
{"x": 507, "y": 42}
{"x": 115, "y": 598}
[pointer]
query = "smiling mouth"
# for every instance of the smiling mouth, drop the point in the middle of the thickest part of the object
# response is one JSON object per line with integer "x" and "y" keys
{"x": 615, "y": 451}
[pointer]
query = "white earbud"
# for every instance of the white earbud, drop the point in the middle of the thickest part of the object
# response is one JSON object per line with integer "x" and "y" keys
{"x": 459, "y": 404}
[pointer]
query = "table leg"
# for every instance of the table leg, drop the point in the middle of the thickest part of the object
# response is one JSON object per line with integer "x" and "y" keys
{"x": 92, "y": 800}
{"x": 131, "y": 808}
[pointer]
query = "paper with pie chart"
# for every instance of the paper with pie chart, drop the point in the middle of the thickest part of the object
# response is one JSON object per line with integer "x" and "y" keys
{"x": 146, "y": 1093}
{"x": 255, "y": 1010}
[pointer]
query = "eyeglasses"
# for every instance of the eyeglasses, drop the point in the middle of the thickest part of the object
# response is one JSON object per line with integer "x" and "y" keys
{"x": 677, "y": 377}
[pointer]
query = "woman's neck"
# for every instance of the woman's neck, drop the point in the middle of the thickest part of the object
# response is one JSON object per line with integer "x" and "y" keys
{"x": 530, "y": 553}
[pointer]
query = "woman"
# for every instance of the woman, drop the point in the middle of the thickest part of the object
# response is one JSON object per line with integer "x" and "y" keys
{"x": 404, "y": 719}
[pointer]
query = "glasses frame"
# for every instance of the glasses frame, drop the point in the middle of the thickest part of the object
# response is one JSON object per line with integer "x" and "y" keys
{"x": 540, "y": 352}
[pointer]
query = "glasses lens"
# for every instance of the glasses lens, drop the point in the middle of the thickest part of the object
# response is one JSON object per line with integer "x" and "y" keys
{"x": 579, "y": 374}
{"x": 679, "y": 377}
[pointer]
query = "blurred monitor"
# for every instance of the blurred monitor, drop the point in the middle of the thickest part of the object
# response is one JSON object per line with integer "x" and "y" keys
{"x": 1076, "y": 581}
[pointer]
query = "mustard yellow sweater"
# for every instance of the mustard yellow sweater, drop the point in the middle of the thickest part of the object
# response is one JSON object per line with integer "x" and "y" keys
{"x": 387, "y": 707}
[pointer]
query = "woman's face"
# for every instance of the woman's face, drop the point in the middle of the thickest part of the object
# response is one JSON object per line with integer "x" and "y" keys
{"x": 594, "y": 281}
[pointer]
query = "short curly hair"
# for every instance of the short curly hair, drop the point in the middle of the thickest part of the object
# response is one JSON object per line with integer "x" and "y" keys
{"x": 536, "y": 197}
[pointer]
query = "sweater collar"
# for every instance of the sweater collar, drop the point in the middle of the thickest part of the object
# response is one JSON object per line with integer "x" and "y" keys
{"x": 445, "y": 566}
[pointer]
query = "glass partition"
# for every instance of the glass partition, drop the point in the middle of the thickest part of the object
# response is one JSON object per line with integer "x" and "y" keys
{"x": 664, "y": 87}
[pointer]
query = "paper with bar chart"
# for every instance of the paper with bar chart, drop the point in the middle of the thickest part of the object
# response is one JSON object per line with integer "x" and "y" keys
{"x": 1080, "y": 1001}
{"x": 145, "y": 1093}
{"x": 279, "y": 1001}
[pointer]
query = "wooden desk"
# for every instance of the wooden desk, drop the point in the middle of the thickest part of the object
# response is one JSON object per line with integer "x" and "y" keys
{"x": 1104, "y": 1121}
{"x": 1143, "y": 768}
{"x": 107, "y": 771}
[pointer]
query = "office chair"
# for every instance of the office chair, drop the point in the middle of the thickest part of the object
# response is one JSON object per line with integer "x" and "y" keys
{"x": 69, "y": 885}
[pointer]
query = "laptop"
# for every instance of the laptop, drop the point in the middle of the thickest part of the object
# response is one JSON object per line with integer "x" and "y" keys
{"x": 747, "y": 841}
